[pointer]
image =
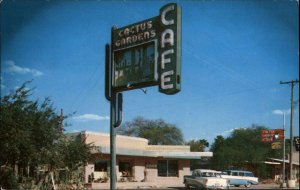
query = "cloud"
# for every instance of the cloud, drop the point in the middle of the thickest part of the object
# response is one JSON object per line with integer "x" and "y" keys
{"x": 12, "y": 68}
{"x": 228, "y": 132}
{"x": 90, "y": 117}
{"x": 280, "y": 112}
{"x": 2, "y": 84}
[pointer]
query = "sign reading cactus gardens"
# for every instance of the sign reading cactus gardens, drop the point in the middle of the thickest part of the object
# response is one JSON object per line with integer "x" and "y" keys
{"x": 148, "y": 53}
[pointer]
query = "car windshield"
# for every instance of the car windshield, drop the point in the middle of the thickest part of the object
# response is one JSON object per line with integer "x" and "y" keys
{"x": 208, "y": 174}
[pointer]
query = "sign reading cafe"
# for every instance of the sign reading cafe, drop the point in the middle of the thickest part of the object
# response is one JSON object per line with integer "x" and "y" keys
{"x": 148, "y": 53}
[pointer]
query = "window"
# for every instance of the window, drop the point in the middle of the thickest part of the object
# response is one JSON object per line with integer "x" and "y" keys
{"x": 249, "y": 174}
{"x": 167, "y": 168}
{"x": 162, "y": 168}
{"x": 125, "y": 168}
{"x": 241, "y": 173}
{"x": 101, "y": 166}
{"x": 235, "y": 173}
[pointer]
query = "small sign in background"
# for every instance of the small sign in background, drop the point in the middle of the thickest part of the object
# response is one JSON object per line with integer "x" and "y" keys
{"x": 270, "y": 135}
{"x": 276, "y": 145}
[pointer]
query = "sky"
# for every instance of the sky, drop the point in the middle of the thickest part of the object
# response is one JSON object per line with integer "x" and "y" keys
{"x": 234, "y": 55}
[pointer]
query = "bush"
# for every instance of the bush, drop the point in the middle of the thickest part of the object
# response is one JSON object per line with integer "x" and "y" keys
{"x": 8, "y": 179}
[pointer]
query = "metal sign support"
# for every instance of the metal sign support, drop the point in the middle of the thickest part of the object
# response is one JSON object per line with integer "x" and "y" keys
{"x": 116, "y": 101}
{"x": 165, "y": 28}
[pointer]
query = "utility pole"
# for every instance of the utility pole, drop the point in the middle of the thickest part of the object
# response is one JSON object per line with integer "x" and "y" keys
{"x": 283, "y": 185}
{"x": 293, "y": 82}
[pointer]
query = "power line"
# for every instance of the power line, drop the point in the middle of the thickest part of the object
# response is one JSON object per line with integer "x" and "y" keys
{"x": 77, "y": 103}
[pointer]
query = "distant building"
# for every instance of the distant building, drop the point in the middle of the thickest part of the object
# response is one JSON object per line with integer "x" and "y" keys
{"x": 278, "y": 167}
{"x": 274, "y": 167}
{"x": 138, "y": 161}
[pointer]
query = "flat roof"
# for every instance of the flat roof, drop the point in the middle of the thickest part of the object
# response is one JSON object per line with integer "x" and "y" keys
{"x": 145, "y": 150}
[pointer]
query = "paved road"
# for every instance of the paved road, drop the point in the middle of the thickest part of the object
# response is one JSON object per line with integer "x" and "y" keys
{"x": 259, "y": 186}
{"x": 153, "y": 185}
{"x": 262, "y": 186}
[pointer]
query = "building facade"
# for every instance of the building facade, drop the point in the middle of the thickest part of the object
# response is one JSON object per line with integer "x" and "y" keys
{"x": 278, "y": 167}
{"x": 136, "y": 160}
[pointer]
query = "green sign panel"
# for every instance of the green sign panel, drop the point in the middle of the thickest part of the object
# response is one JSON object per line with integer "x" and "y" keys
{"x": 148, "y": 53}
{"x": 134, "y": 50}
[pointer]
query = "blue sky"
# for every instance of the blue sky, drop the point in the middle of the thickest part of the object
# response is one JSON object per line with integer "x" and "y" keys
{"x": 234, "y": 54}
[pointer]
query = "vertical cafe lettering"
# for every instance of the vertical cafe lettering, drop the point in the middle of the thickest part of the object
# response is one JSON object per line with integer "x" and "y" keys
{"x": 170, "y": 51}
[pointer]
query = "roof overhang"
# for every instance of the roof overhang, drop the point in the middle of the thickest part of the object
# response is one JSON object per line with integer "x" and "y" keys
{"x": 272, "y": 163}
{"x": 157, "y": 154}
{"x": 279, "y": 161}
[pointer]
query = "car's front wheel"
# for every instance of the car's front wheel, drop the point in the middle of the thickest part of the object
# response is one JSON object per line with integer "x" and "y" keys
{"x": 187, "y": 186}
{"x": 248, "y": 185}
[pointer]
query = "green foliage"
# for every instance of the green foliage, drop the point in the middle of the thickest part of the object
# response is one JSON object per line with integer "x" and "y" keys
{"x": 8, "y": 179}
{"x": 27, "y": 129}
{"x": 76, "y": 153}
{"x": 158, "y": 132}
{"x": 242, "y": 148}
{"x": 31, "y": 135}
{"x": 198, "y": 145}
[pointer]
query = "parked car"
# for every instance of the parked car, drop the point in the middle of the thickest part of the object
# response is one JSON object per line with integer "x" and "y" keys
{"x": 239, "y": 177}
{"x": 205, "y": 179}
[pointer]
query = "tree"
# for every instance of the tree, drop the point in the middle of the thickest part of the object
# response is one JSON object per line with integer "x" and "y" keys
{"x": 158, "y": 132}
{"x": 218, "y": 149}
{"x": 31, "y": 136}
{"x": 243, "y": 147}
{"x": 198, "y": 145}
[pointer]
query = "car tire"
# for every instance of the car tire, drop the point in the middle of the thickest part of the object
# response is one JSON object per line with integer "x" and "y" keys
{"x": 248, "y": 185}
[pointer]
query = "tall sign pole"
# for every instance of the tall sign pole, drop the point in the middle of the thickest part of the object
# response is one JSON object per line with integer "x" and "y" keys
{"x": 293, "y": 82}
{"x": 143, "y": 54}
{"x": 112, "y": 143}
{"x": 115, "y": 115}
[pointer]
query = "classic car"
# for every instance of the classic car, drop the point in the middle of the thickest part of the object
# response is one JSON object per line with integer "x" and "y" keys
{"x": 206, "y": 179}
{"x": 239, "y": 177}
